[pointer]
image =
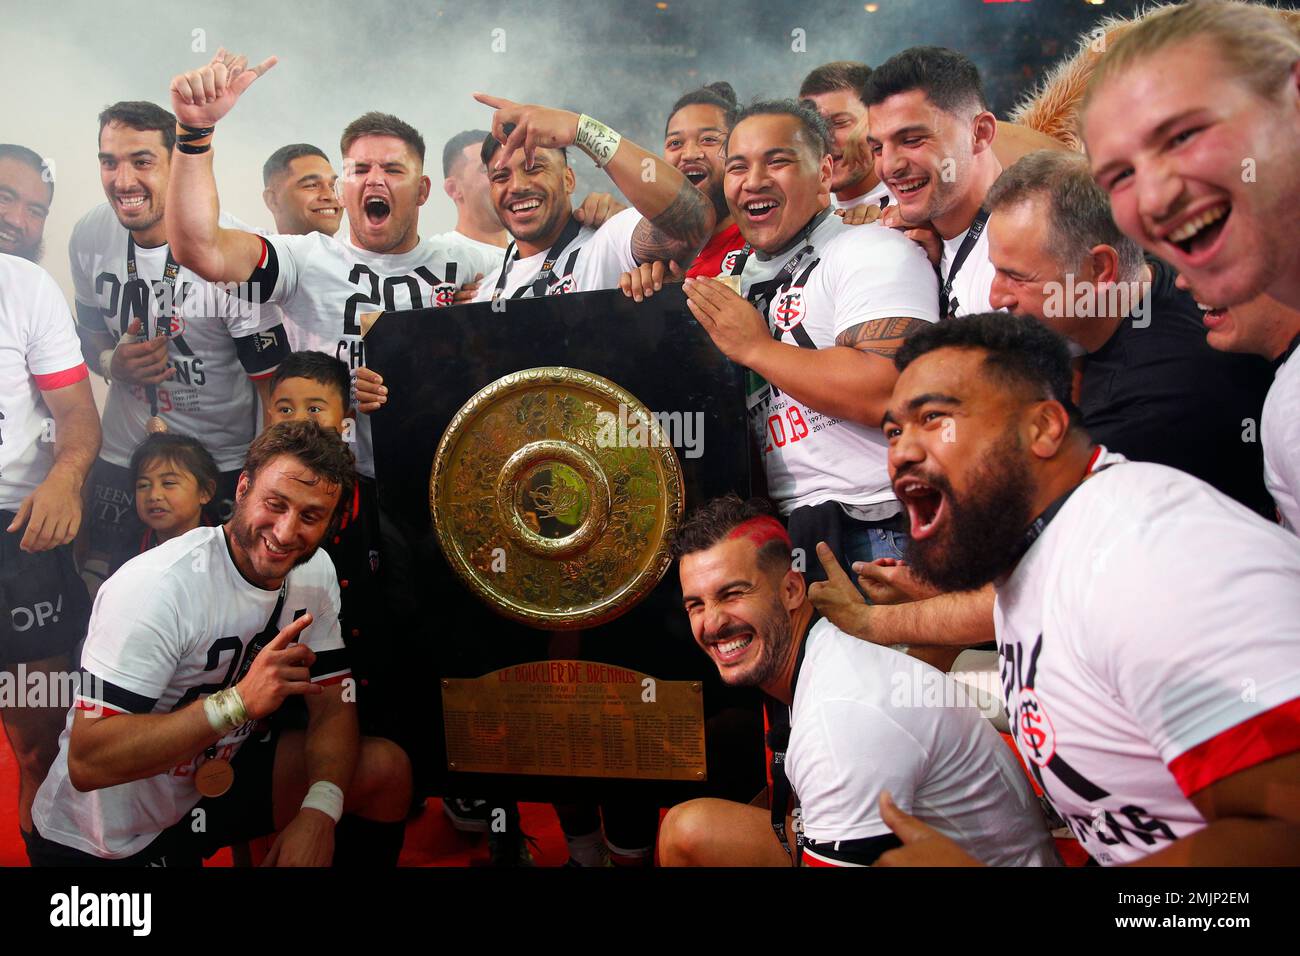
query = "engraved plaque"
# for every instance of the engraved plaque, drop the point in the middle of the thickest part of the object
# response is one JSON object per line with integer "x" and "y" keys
{"x": 554, "y": 493}
{"x": 574, "y": 718}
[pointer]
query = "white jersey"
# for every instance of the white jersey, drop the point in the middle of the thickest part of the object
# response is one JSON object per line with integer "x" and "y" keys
{"x": 867, "y": 718}
{"x": 171, "y": 626}
{"x": 444, "y": 239}
{"x": 217, "y": 341}
{"x": 854, "y": 274}
{"x": 1280, "y": 433}
{"x": 974, "y": 280}
{"x": 594, "y": 260}
{"x": 1150, "y": 645}
{"x": 324, "y": 285}
{"x": 39, "y": 352}
{"x": 876, "y": 194}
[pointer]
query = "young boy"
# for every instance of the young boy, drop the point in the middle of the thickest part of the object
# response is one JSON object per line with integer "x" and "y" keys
{"x": 175, "y": 479}
{"x": 317, "y": 386}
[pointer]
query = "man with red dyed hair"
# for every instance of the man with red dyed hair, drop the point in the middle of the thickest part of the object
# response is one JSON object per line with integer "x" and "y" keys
{"x": 851, "y": 721}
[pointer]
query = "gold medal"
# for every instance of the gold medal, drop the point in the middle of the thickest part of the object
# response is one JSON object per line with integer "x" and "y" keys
{"x": 214, "y": 777}
{"x": 731, "y": 282}
{"x": 155, "y": 425}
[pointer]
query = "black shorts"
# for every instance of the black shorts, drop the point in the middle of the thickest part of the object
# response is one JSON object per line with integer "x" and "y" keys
{"x": 115, "y": 528}
{"x": 244, "y": 812}
{"x": 45, "y": 598}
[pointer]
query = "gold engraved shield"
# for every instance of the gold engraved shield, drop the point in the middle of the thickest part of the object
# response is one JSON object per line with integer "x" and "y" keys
{"x": 555, "y": 493}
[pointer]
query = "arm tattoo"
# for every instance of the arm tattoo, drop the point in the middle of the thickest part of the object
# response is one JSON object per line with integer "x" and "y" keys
{"x": 879, "y": 336}
{"x": 677, "y": 233}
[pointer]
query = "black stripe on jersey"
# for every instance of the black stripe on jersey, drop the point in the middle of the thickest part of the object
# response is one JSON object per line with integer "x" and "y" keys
{"x": 863, "y": 852}
{"x": 90, "y": 318}
{"x": 96, "y": 689}
{"x": 262, "y": 351}
{"x": 330, "y": 662}
{"x": 261, "y": 283}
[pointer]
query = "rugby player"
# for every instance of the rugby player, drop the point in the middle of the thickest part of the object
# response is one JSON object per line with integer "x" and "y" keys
{"x": 190, "y": 646}
{"x": 836, "y": 91}
{"x": 298, "y": 188}
{"x": 49, "y": 436}
{"x": 855, "y": 717}
{"x": 26, "y": 191}
{"x": 175, "y": 348}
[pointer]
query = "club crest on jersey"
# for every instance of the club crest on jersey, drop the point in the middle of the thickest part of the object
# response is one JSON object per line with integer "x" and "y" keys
{"x": 562, "y": 287}
{"x": 789, "y": 310}
{"x": 1037, "y": 735}
{"x": 174, "y": 325}
{"x": 442, "y": 295}
{"x": 729, "y": 261}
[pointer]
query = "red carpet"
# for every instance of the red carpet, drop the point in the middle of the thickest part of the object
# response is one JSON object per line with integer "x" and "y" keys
{"x": 430, "y": 838}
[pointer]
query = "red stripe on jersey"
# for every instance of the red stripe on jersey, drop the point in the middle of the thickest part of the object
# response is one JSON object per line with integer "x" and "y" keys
{"x": 262, "y": 260}
{"x": 1274, "y": 733}
{"x": 69, "y": 376}
{"x": 261, "y": 376}
{"x": 329, "y": 679}
{"x": 99, "y": 707}
{"x": 812, "y": 859}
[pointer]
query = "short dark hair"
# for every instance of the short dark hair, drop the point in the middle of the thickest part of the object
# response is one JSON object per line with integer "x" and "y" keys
{"x": 279, "y": 161}
{"x": 141, "y": 115}
{"x": 1078, "y": 210}
{"x": 839, "y": 75}
{"x": 381, "y": 124}
{"x": 454, "y": 152}
{"x": 1021, "y": 352}
{"x": 715, "y": 520}
{"x": 814, "y": 127}
{"x": 490, "y": 147}
{"x": 316, "y": 367}
{"x": 720, "y": 94}
{"x": 320, "y": 450}
{"x": 185, "y": 451}
{"x": 29, "y": 157}
{"x": 950, "y": 80}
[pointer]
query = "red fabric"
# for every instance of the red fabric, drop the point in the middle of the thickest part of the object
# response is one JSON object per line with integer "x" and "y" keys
{"x": 810, "y": 860}
{"x": 69, "y": 376}
{"x": 709, "y": 262}
{"x": 1274, "y": 733}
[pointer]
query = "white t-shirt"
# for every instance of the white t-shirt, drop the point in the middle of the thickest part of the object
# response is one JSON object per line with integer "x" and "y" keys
{"x": 325, "y": 284}
{"x": 173, "y": 624}
{"x": 218, "y": 341}
{"x": 452, "y": 237}
{"x": 854, "y": 274}
{"x": 1279, "y": 430}
{"x": 974, "y": 280}
{"x": 594, "y": 260}
{"x": 867, "y": 718}
{"x": 38, "y": 351}
{"x": 1150, "y": 644}
{"x": 873, "y": 195}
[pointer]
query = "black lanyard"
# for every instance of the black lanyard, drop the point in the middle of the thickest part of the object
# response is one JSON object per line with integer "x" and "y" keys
{"x": 571, "y": 230}
{"x": 170, "y": 271}
{"x": 266, "y": 636}
{"x": 792, "y": 264}
{"x": 1039, "y": 524}
{"x": 778, "y": 738}
{"x": 967, "y": 244}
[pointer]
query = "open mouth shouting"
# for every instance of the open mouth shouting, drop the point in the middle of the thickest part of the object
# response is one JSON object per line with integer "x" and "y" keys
{"x": 926, "y": 505}
{"x": 377, "y": 209}
{"x": 1197, "y": 236}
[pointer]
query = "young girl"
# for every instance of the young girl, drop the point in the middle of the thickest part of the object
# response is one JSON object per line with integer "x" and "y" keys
{"x": 174, "y": 478}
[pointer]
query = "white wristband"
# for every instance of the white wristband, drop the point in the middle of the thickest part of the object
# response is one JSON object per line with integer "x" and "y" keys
{"x": 596, "y": 139}
{"x": 325, "y": 797}
{"x": 106, "y": 364}
{"x": 225, "y": 710}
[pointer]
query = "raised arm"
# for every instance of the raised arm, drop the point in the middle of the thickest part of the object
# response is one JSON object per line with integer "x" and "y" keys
{"x": 199, "y": 99}
{"x": 678, "y": 217}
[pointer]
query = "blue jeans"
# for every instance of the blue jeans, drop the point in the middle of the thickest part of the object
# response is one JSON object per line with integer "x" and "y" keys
{"x": 867, "y": 541}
